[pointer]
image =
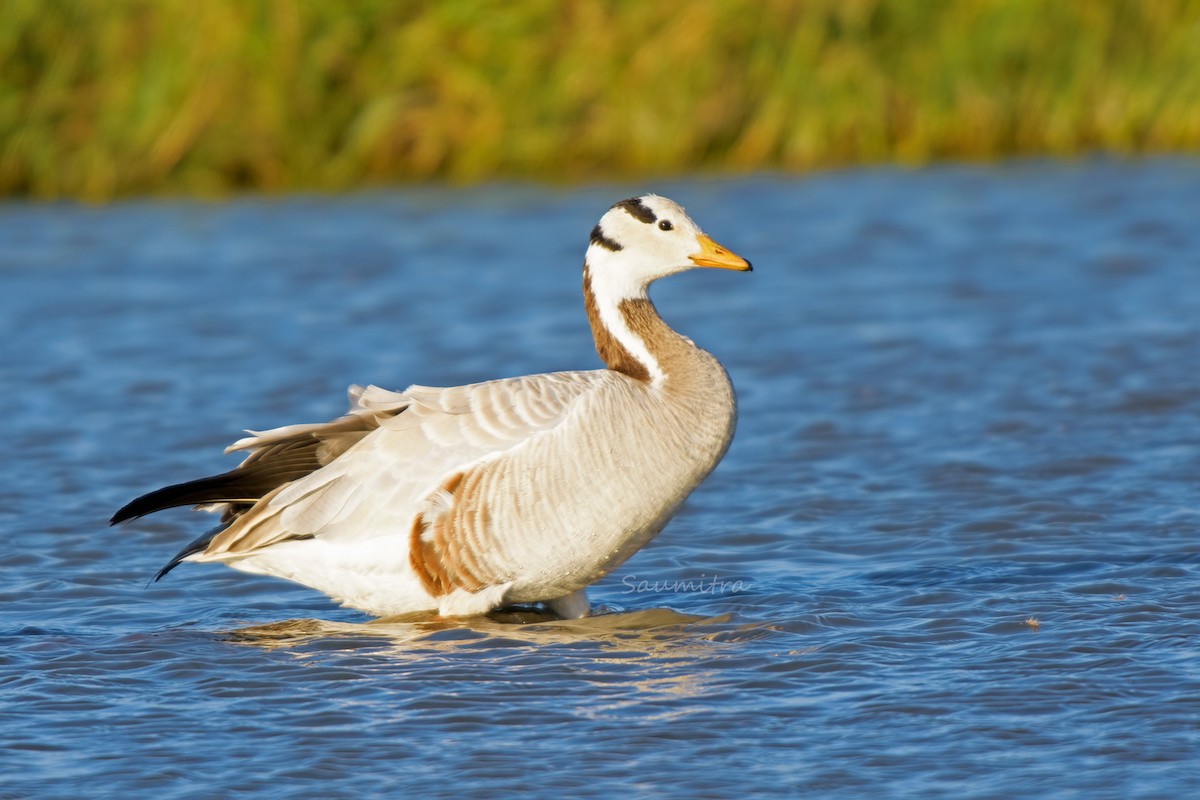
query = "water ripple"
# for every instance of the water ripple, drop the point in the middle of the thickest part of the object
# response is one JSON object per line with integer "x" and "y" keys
{"x": 954, "y": 550}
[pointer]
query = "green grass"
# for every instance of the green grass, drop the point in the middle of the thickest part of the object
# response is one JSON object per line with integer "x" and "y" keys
{"x": 109, "y": 97}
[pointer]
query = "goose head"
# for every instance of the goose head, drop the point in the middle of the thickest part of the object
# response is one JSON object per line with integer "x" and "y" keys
{"x": 642, "y": 239}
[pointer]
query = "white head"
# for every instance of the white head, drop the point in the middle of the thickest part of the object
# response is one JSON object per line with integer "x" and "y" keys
{"x": 645, "y": 238}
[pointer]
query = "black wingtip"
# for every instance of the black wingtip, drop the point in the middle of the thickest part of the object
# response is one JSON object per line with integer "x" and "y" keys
{"x": 172, "y": 564}
{"x": 213, "y": 489}
{"x": 197, "y": 545}
{"x": 159, "y": 499}
{"x": 124, "y": 515}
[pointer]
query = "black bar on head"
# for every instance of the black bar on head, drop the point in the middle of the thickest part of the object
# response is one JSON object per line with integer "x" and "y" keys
{"x": 599, "y": 238}
{"x": 638, "y": 210}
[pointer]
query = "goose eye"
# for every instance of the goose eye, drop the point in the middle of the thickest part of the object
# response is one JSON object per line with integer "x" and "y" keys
{"x": 665, "y": 225}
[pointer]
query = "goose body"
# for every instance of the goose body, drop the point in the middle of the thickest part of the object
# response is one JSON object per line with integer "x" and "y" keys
{"x": 464, "y": 499}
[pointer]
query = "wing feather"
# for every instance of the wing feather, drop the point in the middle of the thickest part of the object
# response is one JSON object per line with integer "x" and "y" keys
{"x": 430, "y": 472}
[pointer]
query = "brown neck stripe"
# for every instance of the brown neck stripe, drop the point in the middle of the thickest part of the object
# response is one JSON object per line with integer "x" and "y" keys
{"x": 612, "y": 352}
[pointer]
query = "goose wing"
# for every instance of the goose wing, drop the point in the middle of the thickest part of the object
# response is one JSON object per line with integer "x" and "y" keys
{"x": 276, "y": 457}
{"x": 425, "y": 454}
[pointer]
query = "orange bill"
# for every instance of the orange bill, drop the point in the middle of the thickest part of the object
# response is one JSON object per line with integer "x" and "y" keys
{"x": 713, "y": 255}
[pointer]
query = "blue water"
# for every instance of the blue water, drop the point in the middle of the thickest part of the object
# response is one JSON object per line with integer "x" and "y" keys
{"x": 954, "y": 549}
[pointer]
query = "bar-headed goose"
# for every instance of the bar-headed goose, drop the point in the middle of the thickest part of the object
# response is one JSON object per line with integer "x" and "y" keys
{"x": 463, "y": 499}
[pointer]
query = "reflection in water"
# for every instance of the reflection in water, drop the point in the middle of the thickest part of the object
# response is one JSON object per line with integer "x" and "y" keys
{"x": 655, "y": 649}
{"x": 653, "y": 631}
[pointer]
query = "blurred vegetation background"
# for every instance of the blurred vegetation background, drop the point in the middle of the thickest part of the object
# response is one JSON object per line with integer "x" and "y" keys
{"x": 108, "y": 97}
